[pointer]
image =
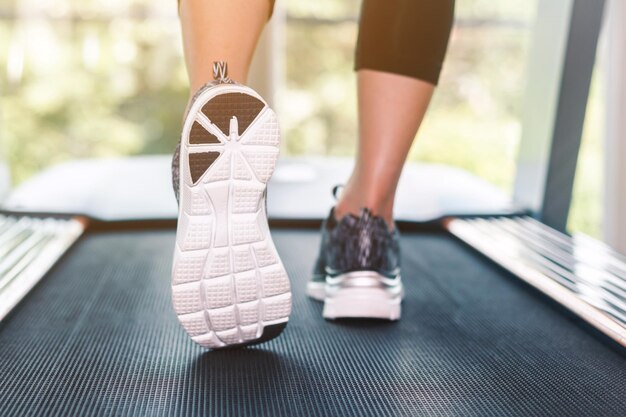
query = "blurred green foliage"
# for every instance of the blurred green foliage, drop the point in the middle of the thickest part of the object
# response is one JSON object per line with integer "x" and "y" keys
{"x": 90, "y": 79}
{"x": 99, "y": 78}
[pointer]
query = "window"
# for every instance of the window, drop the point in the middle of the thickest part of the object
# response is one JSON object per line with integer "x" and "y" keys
{"x": 103, "y": 78}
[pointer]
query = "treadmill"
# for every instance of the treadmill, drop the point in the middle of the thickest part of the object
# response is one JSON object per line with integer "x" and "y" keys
{"x": 505, "y": 314}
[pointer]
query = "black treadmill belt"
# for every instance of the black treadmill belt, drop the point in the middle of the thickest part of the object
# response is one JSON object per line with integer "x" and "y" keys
{"x": 98, "y": 337}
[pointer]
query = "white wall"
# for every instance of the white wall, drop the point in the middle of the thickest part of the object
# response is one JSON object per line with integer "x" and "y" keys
{"x": 615, "y": 143}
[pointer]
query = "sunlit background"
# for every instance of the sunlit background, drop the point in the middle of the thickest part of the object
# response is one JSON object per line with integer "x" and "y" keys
{"x": 99, "y": 78}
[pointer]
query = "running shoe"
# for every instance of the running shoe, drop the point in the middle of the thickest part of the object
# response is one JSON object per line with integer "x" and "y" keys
{"x": 357, "y": 272}
{"x": 229, "y": 287}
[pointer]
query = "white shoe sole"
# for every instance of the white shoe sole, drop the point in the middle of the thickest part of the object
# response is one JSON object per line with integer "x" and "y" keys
{"x": 360, "y": 294}
{"x": 316, "y": 290}
{"x": 362, "y": 303}
{"x": 229, "y": 287}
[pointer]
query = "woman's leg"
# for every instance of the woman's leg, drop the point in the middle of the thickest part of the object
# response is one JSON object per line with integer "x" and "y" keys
{"x": 217, "y": 30}
{"x": 399, "y": 56}
{"x": 391, "y": 108}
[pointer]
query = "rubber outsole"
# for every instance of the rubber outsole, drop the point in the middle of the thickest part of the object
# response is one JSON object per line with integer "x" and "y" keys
{"x": 229, "y": 286}
{"x": 269, "y": 332}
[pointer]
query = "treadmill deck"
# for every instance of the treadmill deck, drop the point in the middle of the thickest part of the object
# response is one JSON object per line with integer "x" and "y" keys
{"x": 98, "y": 337}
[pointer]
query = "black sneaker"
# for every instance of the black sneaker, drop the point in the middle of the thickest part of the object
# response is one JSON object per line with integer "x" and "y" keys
{"x": 357, "y": 273}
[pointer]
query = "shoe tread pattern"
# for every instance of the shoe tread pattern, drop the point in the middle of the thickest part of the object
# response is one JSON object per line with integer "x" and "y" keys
{"x": 229, "y": 287}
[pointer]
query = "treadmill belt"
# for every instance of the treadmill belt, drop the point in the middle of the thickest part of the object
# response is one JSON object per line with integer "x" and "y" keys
{"x": 97, "y": 337}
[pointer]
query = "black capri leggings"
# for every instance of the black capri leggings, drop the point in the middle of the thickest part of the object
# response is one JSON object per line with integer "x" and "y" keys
{"x": 406, "y": 37}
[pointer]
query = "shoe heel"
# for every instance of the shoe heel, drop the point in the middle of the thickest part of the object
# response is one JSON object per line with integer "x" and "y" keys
{"x": 372, "y": 303}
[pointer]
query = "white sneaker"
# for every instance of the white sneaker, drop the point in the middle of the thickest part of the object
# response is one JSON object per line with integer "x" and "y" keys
{"x": 229, "y": 287}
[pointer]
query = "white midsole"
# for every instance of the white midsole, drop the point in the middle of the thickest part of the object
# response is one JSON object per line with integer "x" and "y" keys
{"x": 362, "y": 294}
{"x": 362, "y": 303}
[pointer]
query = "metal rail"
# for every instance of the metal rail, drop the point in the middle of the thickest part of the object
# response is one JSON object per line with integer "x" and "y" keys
{"x": 29, "y": 247}
{"x": 583, "y": 275}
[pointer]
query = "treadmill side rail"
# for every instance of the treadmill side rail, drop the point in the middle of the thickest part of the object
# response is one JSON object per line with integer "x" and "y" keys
{"x": 29, "y": 247}
{"x": 586, "y": 277}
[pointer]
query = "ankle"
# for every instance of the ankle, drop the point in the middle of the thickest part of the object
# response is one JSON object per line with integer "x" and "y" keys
{"x": 346, "y": 205}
